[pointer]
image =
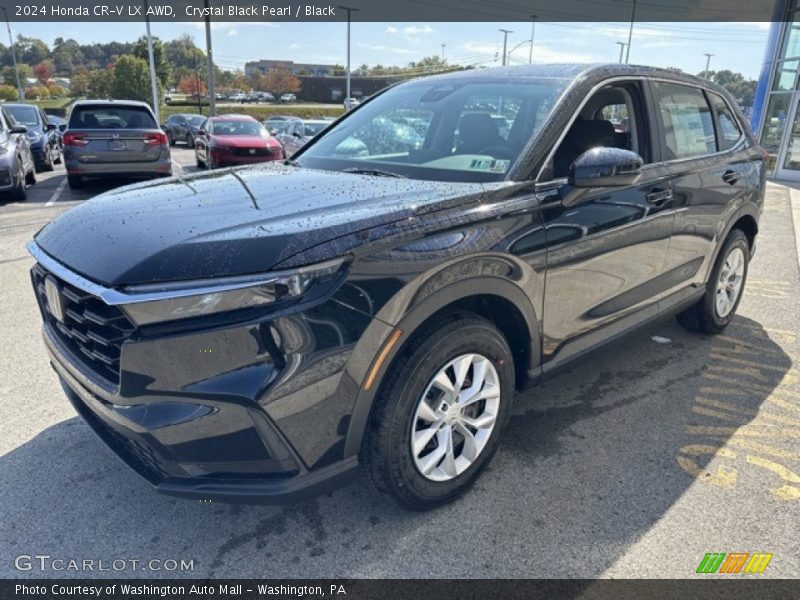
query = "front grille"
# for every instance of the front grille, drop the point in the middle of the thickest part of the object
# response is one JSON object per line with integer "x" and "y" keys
{"x": 92, "y": 330}
{"x": 252, "y": 151}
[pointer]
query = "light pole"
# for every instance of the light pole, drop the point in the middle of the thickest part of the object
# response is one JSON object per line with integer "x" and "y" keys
{"x": 505, "y": 33}
{"x": 533, "y": 35}
{"x": 708, "y": 64}
{"x": 151, "y": 60}
{"x": 630, "y": 33}
{"x": 621, "y": 49}
{"x": 443, "y": 47}
{"x": 212, "y": 86}
{"x": 510, "y": 52}
{"x": 347, "y": 93}
{"x": 20, "y": 91}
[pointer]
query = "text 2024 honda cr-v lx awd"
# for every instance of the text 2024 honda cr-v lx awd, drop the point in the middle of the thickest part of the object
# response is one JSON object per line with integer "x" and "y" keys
{"x": 253, "y": 334}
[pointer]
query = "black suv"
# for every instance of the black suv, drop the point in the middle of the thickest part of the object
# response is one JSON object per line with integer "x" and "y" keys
{"x": 253, "y": 334}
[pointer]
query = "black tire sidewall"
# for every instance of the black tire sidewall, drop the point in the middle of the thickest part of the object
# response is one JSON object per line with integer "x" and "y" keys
{"x": 736, "y": 239}
{"x": 450, "y": 342}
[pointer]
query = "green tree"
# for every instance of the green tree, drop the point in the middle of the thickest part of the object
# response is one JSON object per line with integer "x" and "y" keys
{"x": 24, "y": 72}
{"x": 101, "y": 83}
{"x": 742, "y": 89}
{"x": 31, "y": 50}
{"x": 8, "y": 93}
{"x": 67, "y": 56}
{"x": 131, "y": 79}
{"x": 162, "y": 65}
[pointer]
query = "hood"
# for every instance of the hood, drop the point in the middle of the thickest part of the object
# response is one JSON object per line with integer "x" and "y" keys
{"x": 230, "y": 222}
{"x": 244, "y": 141}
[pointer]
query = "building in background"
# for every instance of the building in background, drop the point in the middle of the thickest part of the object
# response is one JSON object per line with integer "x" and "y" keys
{"x": 265, "y": 66}
{"x": 775, "y": 117}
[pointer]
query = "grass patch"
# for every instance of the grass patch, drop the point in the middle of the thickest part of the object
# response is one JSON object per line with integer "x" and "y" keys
{"x": 259, "y": 112}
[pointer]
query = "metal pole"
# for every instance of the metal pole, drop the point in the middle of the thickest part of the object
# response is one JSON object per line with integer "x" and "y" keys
{"x": 505, "y": 33}
{"x": 708, "y": 64}
{"x": 621, "y": 49}
{"x": 20, "y": 91}
{"x": 443, "y": 46}
{"x": 533, "y": 35}
{"x": 153, "y": 85}
{"x": 212, "y": 86}
{"x": 630, "y": 33}
{"x": 347, "y": 87}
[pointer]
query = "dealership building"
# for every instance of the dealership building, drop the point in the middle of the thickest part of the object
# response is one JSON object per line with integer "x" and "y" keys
{"x": 775, "y": 117}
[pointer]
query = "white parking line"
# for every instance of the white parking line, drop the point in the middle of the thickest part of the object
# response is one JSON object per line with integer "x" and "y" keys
{"x": 177, "y": 164}
{"x": 57, "y": 193}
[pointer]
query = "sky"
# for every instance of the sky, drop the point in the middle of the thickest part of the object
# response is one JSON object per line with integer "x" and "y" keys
{"x": 735, "y": 46}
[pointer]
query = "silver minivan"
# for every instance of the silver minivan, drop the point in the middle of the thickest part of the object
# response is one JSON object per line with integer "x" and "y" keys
{"x": 114, "y": 138}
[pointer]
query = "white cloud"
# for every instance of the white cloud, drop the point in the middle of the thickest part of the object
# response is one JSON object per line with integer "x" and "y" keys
{"x": 392, "y": 30}
{"x": 232, "y": 33}
{"x": 413, "y": 30}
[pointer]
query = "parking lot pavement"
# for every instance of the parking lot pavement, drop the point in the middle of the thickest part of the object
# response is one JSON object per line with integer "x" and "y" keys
{"x": 645, "y": 457}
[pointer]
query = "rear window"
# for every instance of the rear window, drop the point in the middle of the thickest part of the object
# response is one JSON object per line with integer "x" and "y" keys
{"x": 111, "y": 117}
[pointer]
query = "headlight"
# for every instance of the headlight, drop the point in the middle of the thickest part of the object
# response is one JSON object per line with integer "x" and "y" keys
{"x": 34, "y": 136}
{"x": 184, "y": 300}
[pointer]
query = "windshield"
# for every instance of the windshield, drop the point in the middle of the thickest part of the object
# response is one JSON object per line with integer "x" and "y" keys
{"x": 312, "y": 129}
{"x": 235, "y": 127}
{"x": 104, "y": 116}
{"x": 278, "y": 126}
{"x": 24, "y": 115}
{"x": 197, "y": 120}
{"x": 451, "y": 130}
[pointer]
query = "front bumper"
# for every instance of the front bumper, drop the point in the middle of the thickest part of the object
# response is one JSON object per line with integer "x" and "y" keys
{"x": 226, "y": 158}
{"x": 255, "y": 412}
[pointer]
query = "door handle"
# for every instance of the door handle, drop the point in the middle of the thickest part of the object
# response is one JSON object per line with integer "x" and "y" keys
{"x": 659, "y": 196}
{"x": 730, "y": 177}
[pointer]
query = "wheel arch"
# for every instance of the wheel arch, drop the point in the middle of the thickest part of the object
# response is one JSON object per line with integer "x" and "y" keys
{"x": 498, "y": 299}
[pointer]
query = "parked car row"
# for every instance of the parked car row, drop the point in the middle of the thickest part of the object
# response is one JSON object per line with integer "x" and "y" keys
{"x": 254, "y": 97}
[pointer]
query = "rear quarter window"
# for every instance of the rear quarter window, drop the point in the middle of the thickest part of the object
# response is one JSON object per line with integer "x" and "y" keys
{"x": 730, "y": 132}
{"x": 686, "y": 120}
{"x": 111, "y": 117}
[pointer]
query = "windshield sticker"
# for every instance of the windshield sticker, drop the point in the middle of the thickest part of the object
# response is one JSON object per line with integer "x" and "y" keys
{"x": 489, "y": 164}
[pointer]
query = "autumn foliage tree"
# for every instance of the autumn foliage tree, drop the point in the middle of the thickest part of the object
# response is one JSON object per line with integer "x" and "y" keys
{"x": 279, "y": 81}
{"x": 191, "y": 84}
{"x": 43, "y": 71}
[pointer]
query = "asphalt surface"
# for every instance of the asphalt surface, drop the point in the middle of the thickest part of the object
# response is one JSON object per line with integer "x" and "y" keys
{"x": 646, "y": 456}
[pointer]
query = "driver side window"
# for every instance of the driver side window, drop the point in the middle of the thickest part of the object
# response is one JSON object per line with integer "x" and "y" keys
{"x": 610, "y": 118}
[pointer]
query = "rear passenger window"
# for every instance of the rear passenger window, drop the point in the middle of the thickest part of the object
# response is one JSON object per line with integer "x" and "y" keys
{"x": 686, "y": 118}
{"x": 105, "y": 116}
{"x": 729, "y": 130}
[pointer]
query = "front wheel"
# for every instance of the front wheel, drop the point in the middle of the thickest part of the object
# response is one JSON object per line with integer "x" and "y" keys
{"x": 717, "y": 307}
{"x": 440, "y": 412}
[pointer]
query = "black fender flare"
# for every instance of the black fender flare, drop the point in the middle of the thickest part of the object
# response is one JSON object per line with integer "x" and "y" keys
{"x": 406, "y": 311}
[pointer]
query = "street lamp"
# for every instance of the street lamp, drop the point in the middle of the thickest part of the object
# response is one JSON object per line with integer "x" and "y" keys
{"x": 621, "y": 49}
{"x": 349, "y": 10}
{"x": 708, "y": 64}
{"x": 505, "y": 33}
{"x": 151, "y": 61}
{"x": 212, "y": 84}
{"x": 533, "y": 35}
{"x": 443, "y": 47}
{"x": 20, "y": 91}
{"x": 630, "y": 32}
{"x": 510, "y": 52}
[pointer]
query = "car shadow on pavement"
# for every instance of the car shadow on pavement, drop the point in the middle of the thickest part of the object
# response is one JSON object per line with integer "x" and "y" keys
{"x": 591, "y": 461}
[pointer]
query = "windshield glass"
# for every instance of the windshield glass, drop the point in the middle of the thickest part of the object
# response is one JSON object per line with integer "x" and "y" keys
{"x": 312, "y": 129}
{"x": 196, "y": 120}
{"x": 104, "y": 116}
{"x": 233, "y": 127}
{"x": 447, "y": 130}
{"x": 24, "y": 115}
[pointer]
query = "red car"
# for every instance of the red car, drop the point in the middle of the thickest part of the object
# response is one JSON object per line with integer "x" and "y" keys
{"x": 234, "y": 140}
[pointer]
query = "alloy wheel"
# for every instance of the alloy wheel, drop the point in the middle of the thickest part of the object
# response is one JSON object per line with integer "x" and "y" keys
{"x": 729, "y": 283}
{"x": 455, "y": 417}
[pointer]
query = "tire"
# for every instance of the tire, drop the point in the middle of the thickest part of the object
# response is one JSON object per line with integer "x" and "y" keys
{"x": 75, "y": 182}
{"x": 709, "y": 315}
{"x": 190, "y": 141}
{"x": 20, "y": 191}
{"x": 387, "y": 453}
{"x": 170, "y": 139}
{"x": 59, "y": 156}
{"x": 30, "y": 176}
{"x": 200, "y": 163}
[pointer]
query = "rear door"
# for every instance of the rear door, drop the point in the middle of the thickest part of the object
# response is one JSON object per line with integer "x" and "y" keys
{"x": 115, "y": 133}
{"x": 708, "y": 158}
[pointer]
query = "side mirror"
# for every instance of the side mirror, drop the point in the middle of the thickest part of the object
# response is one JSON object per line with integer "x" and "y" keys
{"x": 19, "y": 129}
{"x": 49, "y": 127}
{"x": 605, "y": 167}
{"x": 297, "y": 134}
{"x": 201, "y": 132}
{"x": 62, "y": 128}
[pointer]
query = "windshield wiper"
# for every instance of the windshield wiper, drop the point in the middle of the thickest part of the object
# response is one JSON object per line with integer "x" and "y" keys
{"x": 291, "y": 163}
{"x": 375, "y": 172}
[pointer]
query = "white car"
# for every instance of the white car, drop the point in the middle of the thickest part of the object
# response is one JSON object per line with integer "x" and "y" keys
{"x": 237, "y": 97}
{"x": 288, "y": 98}
{"x": 351, "y": 103}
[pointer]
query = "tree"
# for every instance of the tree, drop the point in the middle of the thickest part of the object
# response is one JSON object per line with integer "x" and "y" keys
{"x": 183, "y": 53}
{"x": 131, "y": 79}
{"x": 25, "y": 71}
{"x": 280, "y": 81}
{"x": 31, "y": 50}
{"x": 67, "y": 56}
{"x": 37, "y": 92}
{"x": 101, "y": 83}
{"x": 191, "y": 84}
{"x": 80, "y": 83}
{"x": 8, "y": 93}
{"x": 742, "y": 89}
{"x": 43, "y": 70}
{"x": 56, "y": 91}
{"x": 160, "y": 60}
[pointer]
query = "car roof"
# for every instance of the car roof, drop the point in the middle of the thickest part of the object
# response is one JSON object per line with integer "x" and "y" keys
{"x": 571, "y": 71}
{"x": 319, "y": 121}
{"x": 232, "y": 118}
{"x": 108, "y": 102}
{"x": 18, "y": 104}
